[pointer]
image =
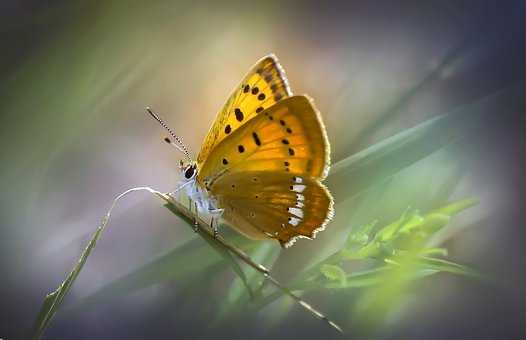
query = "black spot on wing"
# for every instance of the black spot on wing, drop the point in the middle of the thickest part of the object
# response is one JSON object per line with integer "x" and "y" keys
{"x": 239, "y": 114}
{"x": 256, "y": 138}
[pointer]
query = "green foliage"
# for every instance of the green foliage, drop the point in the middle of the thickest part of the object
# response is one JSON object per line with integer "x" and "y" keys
{"x": 335, "y": 274}
{"x": 393, "y": 246}
{"x": 410, "y": 231}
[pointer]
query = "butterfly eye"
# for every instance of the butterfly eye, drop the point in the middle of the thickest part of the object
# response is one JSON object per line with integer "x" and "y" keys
{"x": 189, "y": 172}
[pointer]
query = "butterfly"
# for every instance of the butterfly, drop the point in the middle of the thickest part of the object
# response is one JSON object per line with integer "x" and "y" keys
{"x": 263, "y": 161}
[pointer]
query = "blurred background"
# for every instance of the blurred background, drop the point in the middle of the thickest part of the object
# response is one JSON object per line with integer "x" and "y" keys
{"x": 75, "y": 77}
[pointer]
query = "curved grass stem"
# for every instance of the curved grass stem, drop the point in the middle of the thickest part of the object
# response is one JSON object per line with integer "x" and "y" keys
{"x": 54, "y": 299}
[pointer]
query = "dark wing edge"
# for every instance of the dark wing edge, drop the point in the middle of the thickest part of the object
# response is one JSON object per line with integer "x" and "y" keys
{"x": 325, "y": 138}
{"x": 328, "y": 218}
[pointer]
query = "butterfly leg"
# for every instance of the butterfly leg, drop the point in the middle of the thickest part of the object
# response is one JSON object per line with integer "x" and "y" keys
{"x": 214, "y": 227}
{"x": 196, "y": 223}
{"x": 216, "y": 213}
{"x": 191, "y": 204}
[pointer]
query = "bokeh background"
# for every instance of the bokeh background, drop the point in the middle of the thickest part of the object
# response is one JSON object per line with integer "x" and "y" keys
{"x": 75, "y": 77}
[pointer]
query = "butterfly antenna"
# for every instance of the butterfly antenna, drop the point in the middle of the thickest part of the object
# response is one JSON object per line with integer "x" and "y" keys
{"x": 181, "y": 147}
{"x": 169, "y": 141}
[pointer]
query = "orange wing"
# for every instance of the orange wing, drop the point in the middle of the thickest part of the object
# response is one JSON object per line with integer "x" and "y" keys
{"x": 288, "y": 137}
{"x": 277, "y": 205}
{"x": 266, "y": 174}
{"x": 263, "y": 86}
{"x": 264, "y": 158}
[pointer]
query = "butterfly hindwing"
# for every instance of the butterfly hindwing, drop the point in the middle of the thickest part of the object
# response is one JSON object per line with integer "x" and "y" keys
{"x": 278, "y": 205}
{"x": 263, "y": 86}
{"x": 288, "y": 137}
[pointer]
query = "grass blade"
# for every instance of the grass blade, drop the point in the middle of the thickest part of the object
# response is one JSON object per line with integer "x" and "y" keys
{"x": 447, "y": 266}
{"x": 54, "y": 300}
{"x": 365, "y": 168}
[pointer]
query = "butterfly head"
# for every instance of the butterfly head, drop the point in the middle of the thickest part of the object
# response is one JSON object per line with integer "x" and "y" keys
{"x": 188, "y": 170}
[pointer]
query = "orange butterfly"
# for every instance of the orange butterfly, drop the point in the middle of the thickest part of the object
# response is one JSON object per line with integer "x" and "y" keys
{"x": 262, "y": 162}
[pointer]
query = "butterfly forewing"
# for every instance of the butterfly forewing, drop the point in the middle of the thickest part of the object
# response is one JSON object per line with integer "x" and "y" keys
{"x": 288, "y": 137}
{"x": 263, "y": 204}
{"x": 263, "y": 86}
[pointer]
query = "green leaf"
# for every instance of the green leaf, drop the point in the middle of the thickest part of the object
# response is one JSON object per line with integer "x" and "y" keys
{"x": 376, "y": 276}
{"x": 334, "y": 273}
{"x": 434, "y": 251}
{"x": 372, "y": 277}
{"x": 430, "y": 224}
{"x": 390, "y": 231}
{"x": 456, "y": 207}
{"x": 410, "y": 231}
{"x": 358, "y": 279}
{"x": 361, "y": 236}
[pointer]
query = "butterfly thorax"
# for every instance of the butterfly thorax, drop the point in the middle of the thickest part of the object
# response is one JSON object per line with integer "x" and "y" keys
{"x": 195, "y": 191}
